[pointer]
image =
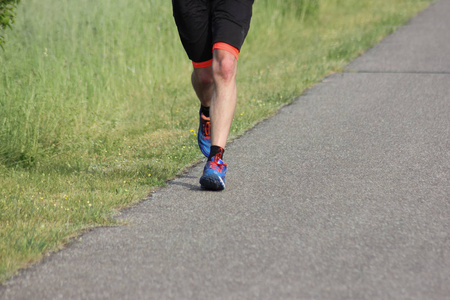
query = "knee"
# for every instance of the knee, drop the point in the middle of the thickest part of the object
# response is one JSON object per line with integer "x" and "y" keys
{"x": 224, "y": 68}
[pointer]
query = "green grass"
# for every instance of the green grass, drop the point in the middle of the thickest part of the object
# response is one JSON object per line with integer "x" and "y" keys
{"x": 96, "y": 108}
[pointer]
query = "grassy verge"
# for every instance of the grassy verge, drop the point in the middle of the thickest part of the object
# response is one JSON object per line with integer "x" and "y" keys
{"x": 96, "y": 108}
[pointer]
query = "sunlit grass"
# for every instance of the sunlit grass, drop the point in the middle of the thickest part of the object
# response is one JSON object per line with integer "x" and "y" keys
{"x": 96, "y": 108}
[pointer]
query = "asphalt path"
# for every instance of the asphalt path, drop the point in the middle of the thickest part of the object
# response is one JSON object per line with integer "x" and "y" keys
{"x": 342, "y": 195}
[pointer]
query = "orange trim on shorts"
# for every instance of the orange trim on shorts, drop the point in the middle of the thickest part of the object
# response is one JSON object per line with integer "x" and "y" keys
{"x": 204, "y": 64}
{"x": 227, "y": 47}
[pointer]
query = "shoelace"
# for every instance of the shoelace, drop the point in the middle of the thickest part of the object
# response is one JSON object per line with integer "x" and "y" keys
{"x": 206, "y": 128}
{"x": 216, "y": 166}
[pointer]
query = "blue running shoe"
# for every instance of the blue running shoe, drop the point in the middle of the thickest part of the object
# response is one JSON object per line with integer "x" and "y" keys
{"x": 204, "y": 134}
{"x": 214, "y": 175}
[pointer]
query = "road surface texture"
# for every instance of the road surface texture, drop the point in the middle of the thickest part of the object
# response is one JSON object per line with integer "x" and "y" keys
{"x": 344, "y": 194}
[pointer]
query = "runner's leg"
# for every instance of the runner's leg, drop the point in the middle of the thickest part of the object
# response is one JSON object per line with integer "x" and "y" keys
{"x": 223, "y": 102}
{"x": 203, "y": 83}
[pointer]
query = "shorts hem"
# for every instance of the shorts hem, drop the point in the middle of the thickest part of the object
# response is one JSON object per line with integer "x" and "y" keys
{"x": 227, "y": 47}
{"x": 203, "y": 64}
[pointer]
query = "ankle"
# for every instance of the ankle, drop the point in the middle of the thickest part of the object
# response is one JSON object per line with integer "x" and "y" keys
{"x": 217, "y": 152}
{"x": 205, "y": 111}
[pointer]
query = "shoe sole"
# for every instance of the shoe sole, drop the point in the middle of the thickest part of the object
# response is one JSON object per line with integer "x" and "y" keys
{"x": 211, "y": 182}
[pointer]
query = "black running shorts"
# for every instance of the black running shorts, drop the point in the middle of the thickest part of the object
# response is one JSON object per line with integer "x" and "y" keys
{"x": 203, "y": 23}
